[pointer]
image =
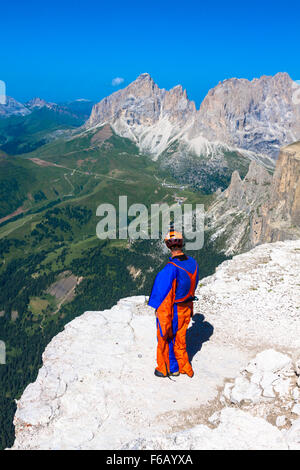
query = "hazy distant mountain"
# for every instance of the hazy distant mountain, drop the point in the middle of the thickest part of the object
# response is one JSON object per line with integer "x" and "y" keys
{"x": 12, "y": 108}
{"x": 80, "y": 108}
{"x": 38, "y": 103}
{"x": 29, "y": 126}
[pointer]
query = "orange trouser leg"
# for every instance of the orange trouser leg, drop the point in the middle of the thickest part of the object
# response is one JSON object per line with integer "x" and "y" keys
{"x": 162, "y": 353}
{"x": 184, "y": 316}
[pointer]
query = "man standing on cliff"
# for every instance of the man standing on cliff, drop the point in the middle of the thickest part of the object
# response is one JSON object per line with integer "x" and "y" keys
{"x": 172, "y": 296}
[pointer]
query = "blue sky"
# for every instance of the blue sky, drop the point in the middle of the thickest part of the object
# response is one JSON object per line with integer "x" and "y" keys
{"x": 63, "y": 50}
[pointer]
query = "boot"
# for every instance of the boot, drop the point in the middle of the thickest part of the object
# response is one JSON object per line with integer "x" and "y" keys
{"x": 174, "y": 374}
{"x": 159, "y": 374}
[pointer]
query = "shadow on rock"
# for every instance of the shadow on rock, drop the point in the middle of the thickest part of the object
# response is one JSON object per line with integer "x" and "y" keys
{"x": 197, "y": 334}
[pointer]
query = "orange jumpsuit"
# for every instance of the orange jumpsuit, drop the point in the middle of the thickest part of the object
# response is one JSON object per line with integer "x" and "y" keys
{"x": 171, "y": 296}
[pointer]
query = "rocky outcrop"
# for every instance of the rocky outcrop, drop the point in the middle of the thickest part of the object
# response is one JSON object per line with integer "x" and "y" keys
{"x": 260, "y": 208}
{"x": 267, "y": 417}
{"x": 269, "y": 375}
{"x": 143, "y": 103}
{"x": 236, "y": 430}
{"x": 282, "y": 213}
{"x": 146, "y": 114}
{"x": 260, "y": 115}
{"x": 254, "y": 298}
{"x": 97, "y": 390}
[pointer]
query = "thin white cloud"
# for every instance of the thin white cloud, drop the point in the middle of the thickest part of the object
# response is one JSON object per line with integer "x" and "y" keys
{"x": 117, "y": 81}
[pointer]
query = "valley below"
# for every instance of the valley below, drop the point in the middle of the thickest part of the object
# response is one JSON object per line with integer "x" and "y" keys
{"x": 53, "y": 237}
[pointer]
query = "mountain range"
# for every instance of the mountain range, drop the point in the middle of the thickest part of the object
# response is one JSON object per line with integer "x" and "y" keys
{"x": 12, "y": 107}
{"x": 238, "y": 121}
{"x": 257, "y": 116}
{"x": 25, "y": 127}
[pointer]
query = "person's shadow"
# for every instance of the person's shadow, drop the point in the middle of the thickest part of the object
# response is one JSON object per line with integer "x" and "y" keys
{"x": 197, "y": 334}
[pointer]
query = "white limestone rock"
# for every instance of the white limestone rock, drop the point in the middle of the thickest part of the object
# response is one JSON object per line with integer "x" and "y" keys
{"x": 296, "y": 409}
{"x": 293, "y": 435}
{"x": 253, "y": 300}
{"x": 237, "y": 431}
{"x": 280, "y": 421}
{"x": 283, "y": 387}
{"x": 272, "y": 374}
{"x": 96, "y": 388}
{"x": 268, "y": 362}
{"x": 243, "y": 390}
{"x": 215, "y": 418}
{"x": 268, "y": 392}
{"x": 227, "y": 390}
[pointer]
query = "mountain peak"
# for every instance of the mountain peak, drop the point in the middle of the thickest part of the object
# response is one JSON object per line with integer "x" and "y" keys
{"x": 142, "y": 107}
{"x": 282, "y": 75}
{"x": 229, "y": 115}
{"x": 13, "y": 108}
{"x": 144, "y": 82}
{"x": 38, "y": 103}
{"x": 145, "y": 76}
{"x": 178, "y": 90}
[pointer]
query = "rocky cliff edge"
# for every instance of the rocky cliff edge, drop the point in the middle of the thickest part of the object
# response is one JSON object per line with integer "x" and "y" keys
{"x": 96, "y": 388}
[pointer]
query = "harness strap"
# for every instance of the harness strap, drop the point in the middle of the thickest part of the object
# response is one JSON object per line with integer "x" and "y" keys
{"x": 192, "y": 279}
{"x": 189, "y": 274}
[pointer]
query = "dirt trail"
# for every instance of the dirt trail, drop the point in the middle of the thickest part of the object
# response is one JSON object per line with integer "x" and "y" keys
{"x": 13, "y": 214}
